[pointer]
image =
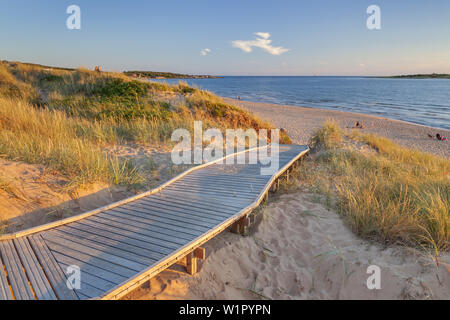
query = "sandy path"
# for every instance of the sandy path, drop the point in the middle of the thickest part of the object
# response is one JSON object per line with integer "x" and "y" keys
{"x": 299, "y": 251}
{"x": 301, "y": 123}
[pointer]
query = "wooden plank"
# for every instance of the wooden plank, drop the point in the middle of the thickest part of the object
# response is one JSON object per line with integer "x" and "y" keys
{"x": 164, "y": 213}
{"x": 95, "y": 238}
{"x": 195, "y": 203}
{"x": 158, "y": 245}
{"x": 224, "y": 201}
{"x": 232, "y": 184}
{"x": 142, "y": 218}
{"x": 200, "y": 253}
{"x": 221, "y": 200}
{"x": 227, "y": 175}
{"x": 175, "y": 212}
{"x": 195, "y": 215}
{"x": 159, "y": 238}
{"x": 104, "y": 276}
{"x": 52, "y": 270}
{"x": 89, "y": 283}
{"x": 89, "y": 259}
{"x": 90, "y": 226}
{"x": 214, "y": 192}
{"x": 5, "y": 291}
{"x": 147, "y": 224}
{"x": 214, "y": 173}
{"x": 16, "y": 275}
{"x": 164, "y": 203}
{"x": 121, "y": 265}
{"x": 147, "y": 214}
{"x": 198, "y": 206}
{"x": 39, "y": 282}
{"x": 105, "y": 248}
{"x": 191, "y": 264}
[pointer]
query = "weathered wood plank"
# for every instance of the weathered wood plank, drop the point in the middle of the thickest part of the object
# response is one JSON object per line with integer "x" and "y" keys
{"x": 197, "y": 215}
{"x": 221, "y": 200}
{"x": 147, "y": 224}
{"x": 105, "y": 275}
{"x": 158, "y": 245}
{"x": 143, "y": 218}
{"x": 75, "y": 237}
{"x": 198, "y": 206}
{"x": 216, "y": 191}
{"x": 52, "y": 270}
{"x": 14, "y": 269}
{"x": 5, "y": 291}
{"x": 150, "y": 256}
{"x": 120, "y": 265}
{"x": 92, "y": 227}
{"x": 148, "y": 214}
{"x": 186, "y": 212}
{"x": 89, "y": 259}
{"x": 172, "y": 215}
{"x": 157, "y": 238}
{"x": 227, "y": 185}
{"x": 39, "y": 282}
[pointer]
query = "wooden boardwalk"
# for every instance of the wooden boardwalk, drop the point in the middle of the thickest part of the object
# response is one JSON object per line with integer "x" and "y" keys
{"x": 122, "y": 245}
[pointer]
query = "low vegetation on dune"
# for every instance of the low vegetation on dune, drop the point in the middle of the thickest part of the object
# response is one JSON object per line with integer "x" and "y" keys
{"x": 384, "y": 191}
{"x": 65, "y": 119}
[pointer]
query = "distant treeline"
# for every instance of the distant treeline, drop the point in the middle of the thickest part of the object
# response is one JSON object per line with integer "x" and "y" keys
{"x": 424, "y": 76}
{"x": 165, "y": 75}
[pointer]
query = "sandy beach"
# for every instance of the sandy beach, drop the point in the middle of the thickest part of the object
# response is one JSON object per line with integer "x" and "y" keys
{"x": 303, "y": 250}
{"x": 301, "y": 123}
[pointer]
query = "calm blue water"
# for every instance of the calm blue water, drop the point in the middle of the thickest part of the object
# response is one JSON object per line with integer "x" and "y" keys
{"x": 425, "y": 102}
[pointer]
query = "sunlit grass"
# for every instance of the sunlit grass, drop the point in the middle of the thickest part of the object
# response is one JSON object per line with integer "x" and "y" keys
{"x": 390, "y": 193}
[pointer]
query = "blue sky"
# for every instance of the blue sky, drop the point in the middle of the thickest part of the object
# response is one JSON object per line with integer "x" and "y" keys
{"x": 324, "y": 37}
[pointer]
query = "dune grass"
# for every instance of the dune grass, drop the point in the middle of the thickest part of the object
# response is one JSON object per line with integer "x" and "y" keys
{"x": 41, "y": 136}
{"x": 64, "y": 119}
{"x": 389, "y": 193}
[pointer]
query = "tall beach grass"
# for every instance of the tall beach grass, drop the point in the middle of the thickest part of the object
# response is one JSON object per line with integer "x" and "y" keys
{"x": 389, "y": 193}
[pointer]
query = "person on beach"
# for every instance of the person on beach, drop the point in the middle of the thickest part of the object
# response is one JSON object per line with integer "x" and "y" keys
{"x": 358, "y": 125}
{"x": 441, "y": 138}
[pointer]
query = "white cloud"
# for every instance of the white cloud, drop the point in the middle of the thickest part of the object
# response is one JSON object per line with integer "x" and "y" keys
{"x": 264, "y": 35}
{"x": 205, "y": 51}
{"x": 262, "y": 41}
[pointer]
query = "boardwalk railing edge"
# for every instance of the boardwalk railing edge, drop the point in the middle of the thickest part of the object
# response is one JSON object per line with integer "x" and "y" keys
{"x": 122, "y": 289}
{"x": 51, "y": 225}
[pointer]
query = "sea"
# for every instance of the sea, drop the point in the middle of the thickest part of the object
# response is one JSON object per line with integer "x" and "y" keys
{"x": 420, "y": 101}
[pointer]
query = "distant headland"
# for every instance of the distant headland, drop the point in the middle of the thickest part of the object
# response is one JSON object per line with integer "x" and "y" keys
{"x": 421, "y": 76}
{"x": 134, "y": 74}
{"x": 166, "y": 75}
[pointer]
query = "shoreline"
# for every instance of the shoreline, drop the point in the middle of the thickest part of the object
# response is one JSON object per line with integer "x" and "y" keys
{"x": 324, "y": 109}
{"x": 301, "y": 123}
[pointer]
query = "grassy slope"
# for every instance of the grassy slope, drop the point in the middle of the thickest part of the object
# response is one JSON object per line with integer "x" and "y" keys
{"x": 388, "y": 193}
{"x": 65, "y": 118}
